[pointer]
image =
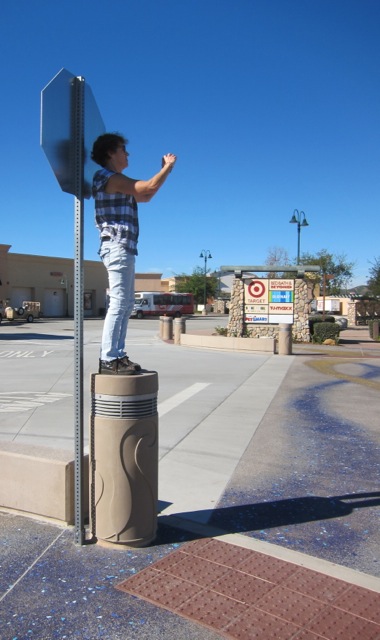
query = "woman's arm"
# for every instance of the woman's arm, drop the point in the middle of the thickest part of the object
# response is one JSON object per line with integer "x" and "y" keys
{"x": 142, "y": 190}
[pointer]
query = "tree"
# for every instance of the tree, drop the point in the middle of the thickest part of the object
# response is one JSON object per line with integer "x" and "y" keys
{"x": 334, "y": 265}
{"x": 276, "y": 256}
{"x": 374, "y": 279}
{"x": 195, "y": 284}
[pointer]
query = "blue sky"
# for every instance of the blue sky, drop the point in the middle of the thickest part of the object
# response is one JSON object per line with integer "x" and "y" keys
{"x": 270, "y": 105}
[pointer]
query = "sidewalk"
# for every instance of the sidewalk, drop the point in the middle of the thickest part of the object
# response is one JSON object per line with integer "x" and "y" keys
{"x": 289, "y": 549}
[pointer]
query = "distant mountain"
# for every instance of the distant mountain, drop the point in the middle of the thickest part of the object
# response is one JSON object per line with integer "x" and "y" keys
{"x": 360, "y": 290}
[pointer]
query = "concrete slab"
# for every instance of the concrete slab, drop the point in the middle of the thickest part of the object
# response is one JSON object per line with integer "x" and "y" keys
{"x": 39, "y": 480}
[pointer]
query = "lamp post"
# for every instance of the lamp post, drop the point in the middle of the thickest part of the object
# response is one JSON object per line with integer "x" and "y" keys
{"x": 205, "y": 253}
{"x": 299, "y": 219}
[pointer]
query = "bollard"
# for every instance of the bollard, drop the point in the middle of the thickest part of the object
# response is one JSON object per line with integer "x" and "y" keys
{"x": 124, "y": 458}
{"x": 285, "y": 339}
{"x": 179, "y": 327}
{"x": 167, "y": 328}
{"x": 161, "y": 326}
{"x": 375, "y": 330}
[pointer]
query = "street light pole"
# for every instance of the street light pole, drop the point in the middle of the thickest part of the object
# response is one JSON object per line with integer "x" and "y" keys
{"x": 205, "y": 253}
{"x": 299, "y": 219}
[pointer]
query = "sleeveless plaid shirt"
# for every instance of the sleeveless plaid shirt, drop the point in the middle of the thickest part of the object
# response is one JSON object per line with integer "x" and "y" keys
{"x": 116, "y": 214}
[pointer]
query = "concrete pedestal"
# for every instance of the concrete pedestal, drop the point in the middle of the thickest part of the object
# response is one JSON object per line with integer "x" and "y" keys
{"x": 285, "y": 339}
{"x": 179, "y": 329}
{"x": 167, "y": 327}
{"x": 124, "y": 458}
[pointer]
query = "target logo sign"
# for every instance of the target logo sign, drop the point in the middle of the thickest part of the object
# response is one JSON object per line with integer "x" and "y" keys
{"x": 256, "y": 289}
{"x": 256, "y": 292}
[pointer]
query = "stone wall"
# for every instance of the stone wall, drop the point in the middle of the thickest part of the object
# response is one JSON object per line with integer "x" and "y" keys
{"x": 360, "y": 312}
{"x": 303, "y": 294}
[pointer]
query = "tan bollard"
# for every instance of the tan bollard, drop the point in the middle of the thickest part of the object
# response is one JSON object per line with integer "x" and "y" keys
{"x": 179, "y": 328}
{"x": 167, "y": 328}
{"x": 375, "y": 330}
{"x": 161, "y": 327}
{"x": 124, "y": 458}
{"x": 285, "y": 339}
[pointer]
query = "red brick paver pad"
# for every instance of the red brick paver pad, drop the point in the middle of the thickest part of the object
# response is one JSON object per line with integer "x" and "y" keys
{"x": 243, "y": 594}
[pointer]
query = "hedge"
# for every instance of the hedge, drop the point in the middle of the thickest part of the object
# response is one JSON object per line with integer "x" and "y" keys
{"x": 326, "y": 331}
{"x": 318, "y": 318}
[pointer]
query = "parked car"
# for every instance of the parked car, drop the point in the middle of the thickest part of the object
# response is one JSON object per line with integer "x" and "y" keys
{"x": 26, "y": 313}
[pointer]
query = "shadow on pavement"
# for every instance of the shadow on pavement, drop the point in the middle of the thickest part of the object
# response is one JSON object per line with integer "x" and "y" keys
{"x": 255, "y": 517}
{"x": 33, "y": 336}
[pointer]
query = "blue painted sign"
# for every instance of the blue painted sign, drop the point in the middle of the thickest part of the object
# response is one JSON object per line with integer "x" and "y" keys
{"x": 280, "y": 296}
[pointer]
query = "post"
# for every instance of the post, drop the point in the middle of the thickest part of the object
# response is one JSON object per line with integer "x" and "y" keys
{"x": 179, "y": 328}
{"x": 167, "y": 328}
{"x": 124, "y": 458}
{"x": 285, "y": 339}
{"x": 78, "y": 128}
{"x": 375, "y": 330}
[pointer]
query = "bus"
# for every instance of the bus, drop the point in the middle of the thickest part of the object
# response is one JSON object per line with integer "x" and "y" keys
{"x": 151, "y": 303}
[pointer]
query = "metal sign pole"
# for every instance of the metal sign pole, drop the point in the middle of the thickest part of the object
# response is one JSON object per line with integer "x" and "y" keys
{"x": 70, "y": 122}
{"x": 78, "y": 129}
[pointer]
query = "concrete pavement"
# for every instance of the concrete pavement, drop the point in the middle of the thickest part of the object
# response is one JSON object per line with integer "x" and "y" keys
{"x": 270, "y": 452}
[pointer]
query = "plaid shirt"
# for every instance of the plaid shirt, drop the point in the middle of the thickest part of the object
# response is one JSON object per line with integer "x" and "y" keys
{"x": 115, "y": 213}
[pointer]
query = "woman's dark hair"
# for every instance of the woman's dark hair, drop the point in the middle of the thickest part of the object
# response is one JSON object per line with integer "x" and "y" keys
{"x": 104, "y": 144}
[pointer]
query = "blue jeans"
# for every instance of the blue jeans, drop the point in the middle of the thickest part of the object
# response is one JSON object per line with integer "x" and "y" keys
{"x": 121, "y": 277}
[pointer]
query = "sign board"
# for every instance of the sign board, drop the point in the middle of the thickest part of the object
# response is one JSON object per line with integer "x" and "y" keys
{"x": 281, "y": 308}
{"x": 57, "y": 135}
{"x": 281, "y": 296}
{"x": 256, "y": 292}
{"x": 282, "y": 285}
{"x": 255, "y": 308}
{"x": 254, "y": 318}
{"x": 268, "y": 301}
{"x": 279, "y": 319}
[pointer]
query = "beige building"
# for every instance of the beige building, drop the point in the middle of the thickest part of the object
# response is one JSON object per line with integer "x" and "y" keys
{"x": 50, "y": 281}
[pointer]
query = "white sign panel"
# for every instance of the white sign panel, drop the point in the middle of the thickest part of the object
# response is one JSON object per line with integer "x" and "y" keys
{"x": 278, "y": 319}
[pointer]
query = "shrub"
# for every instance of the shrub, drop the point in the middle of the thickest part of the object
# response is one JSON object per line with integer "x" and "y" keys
{"x": 221, "y": 331}
{"x": 318, "y": 318}
{"x": 326, "y": 331}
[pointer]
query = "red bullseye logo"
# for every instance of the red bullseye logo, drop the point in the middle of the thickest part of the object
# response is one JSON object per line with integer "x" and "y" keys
{"x": 256, "y": 289}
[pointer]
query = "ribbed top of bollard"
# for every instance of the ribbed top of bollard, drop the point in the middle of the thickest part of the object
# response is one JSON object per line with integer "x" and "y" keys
{"x": 142, "y": 383}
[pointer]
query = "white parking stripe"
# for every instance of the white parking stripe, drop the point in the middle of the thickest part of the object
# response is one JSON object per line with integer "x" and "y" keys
{"x": 194, "y": 473}
{"x": 178, "y": 398}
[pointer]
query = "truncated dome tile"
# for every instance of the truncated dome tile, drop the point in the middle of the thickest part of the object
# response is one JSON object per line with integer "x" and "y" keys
{"x": 266, "y": 567}
{"x": 212, "y": 609}
{"x": 242, "y": 587}
{"x": 336, "y": 624}
{"x": 197, "y": 570}
{"x": 244, "y": 594}
{"x": 221, "y": 552}
{"x": 255, "y": 624}
{"x": 316, "y": 585}
{"x": 290, "y": 605}
{"x": 361, "y": 602}
{"x": 165, "y": 590}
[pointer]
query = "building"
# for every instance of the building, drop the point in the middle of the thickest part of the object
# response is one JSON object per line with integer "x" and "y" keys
{"x": 50, "y": 281}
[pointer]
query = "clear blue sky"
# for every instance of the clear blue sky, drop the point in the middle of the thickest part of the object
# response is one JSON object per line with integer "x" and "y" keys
{"x": 270, "y": 105}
